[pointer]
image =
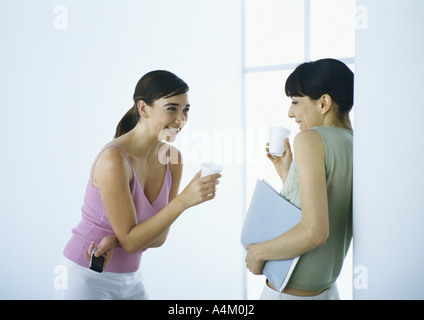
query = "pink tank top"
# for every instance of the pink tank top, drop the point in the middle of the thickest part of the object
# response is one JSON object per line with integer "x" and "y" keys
{"x": 94, "y": 225}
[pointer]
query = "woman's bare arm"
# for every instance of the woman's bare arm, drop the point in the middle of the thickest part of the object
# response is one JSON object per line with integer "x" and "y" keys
{"x": 113, "y": 174}
{"x": 313, "y": 229}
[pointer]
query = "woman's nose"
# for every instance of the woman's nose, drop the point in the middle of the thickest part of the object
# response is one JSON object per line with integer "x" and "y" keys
{"x": 291, "y": 113}
{"x": 181, "y": 118}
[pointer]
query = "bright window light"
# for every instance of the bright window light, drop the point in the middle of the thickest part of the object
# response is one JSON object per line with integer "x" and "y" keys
{"x": 332, "y": 29}
{"x": 274, "y": 32}
{"x": 278, "y": 36}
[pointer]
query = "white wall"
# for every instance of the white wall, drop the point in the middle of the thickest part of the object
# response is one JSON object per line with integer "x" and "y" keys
{"x": 67, "y": 77}
{"x": 388, "y": 152}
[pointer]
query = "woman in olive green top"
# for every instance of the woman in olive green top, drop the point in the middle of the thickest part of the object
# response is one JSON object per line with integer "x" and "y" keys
{"x": 319, "y": 181}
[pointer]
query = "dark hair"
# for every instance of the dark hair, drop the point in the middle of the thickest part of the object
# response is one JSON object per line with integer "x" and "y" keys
{"x": 152, "y": 86}
{"x": 325, "y": 76}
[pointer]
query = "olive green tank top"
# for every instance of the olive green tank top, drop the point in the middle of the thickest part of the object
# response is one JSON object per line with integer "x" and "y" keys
{"x": 319, "y": 268}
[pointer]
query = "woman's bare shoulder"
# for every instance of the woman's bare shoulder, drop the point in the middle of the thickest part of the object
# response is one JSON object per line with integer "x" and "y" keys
{"x": 112, "y": 164}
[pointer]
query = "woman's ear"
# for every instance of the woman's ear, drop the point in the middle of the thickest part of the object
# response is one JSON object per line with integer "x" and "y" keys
{"x": 142, "y": 109}
{"x": 326, "y": 103}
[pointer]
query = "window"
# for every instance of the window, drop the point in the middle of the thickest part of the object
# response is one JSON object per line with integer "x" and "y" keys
{"x": 278, "y": 36}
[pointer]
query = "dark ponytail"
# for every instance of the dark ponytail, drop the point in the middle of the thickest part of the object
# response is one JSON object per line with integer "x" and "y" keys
{"x": 151, "y": 87}
{"x": 128, "y": 121}
{"x": 325, "y": 76}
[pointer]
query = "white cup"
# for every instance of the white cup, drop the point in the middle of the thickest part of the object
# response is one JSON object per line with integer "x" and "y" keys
{"x": 208, "y": 168}
{"x": 277, "y": 135}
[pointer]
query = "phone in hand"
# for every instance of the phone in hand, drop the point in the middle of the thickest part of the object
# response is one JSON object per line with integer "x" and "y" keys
{"x": 96, "y": 263}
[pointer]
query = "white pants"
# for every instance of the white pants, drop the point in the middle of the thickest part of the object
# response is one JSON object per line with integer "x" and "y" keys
{"x": 85, "y": 284}
{"x": 270, "y": 294}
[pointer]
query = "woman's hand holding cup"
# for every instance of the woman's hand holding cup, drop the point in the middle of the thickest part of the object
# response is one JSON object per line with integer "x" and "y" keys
{"x": 201, "y": 188}
{"x": 281, "y": 163}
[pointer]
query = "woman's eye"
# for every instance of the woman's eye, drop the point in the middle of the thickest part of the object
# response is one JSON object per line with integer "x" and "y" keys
{"x": 186, "y": 110}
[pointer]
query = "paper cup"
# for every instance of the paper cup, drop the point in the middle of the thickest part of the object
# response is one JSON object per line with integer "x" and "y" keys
{"x": 277, "y": 135}
{"x": 208, "y": 168}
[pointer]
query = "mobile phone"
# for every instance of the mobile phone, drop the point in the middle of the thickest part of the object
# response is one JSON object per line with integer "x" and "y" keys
{"x": 96, "y": 263}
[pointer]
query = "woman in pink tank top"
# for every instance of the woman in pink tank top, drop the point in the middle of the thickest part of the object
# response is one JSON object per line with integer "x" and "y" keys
{"x": 132, "y": 195}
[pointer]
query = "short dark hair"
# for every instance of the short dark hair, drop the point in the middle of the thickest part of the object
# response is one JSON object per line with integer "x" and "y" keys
{"x": 325, "y": 76}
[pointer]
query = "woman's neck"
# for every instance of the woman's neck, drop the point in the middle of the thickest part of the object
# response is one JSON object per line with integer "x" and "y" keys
{"x": 343, "y": 122}
{"x": 141, "y": 142}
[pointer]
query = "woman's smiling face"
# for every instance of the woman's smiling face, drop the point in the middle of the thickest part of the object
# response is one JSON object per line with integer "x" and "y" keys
{"x": 169, "y": 115}
{"x": 306, "y": 112}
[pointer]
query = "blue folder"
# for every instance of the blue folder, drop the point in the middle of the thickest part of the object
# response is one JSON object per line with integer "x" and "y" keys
{"x": 270, "y": 215}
